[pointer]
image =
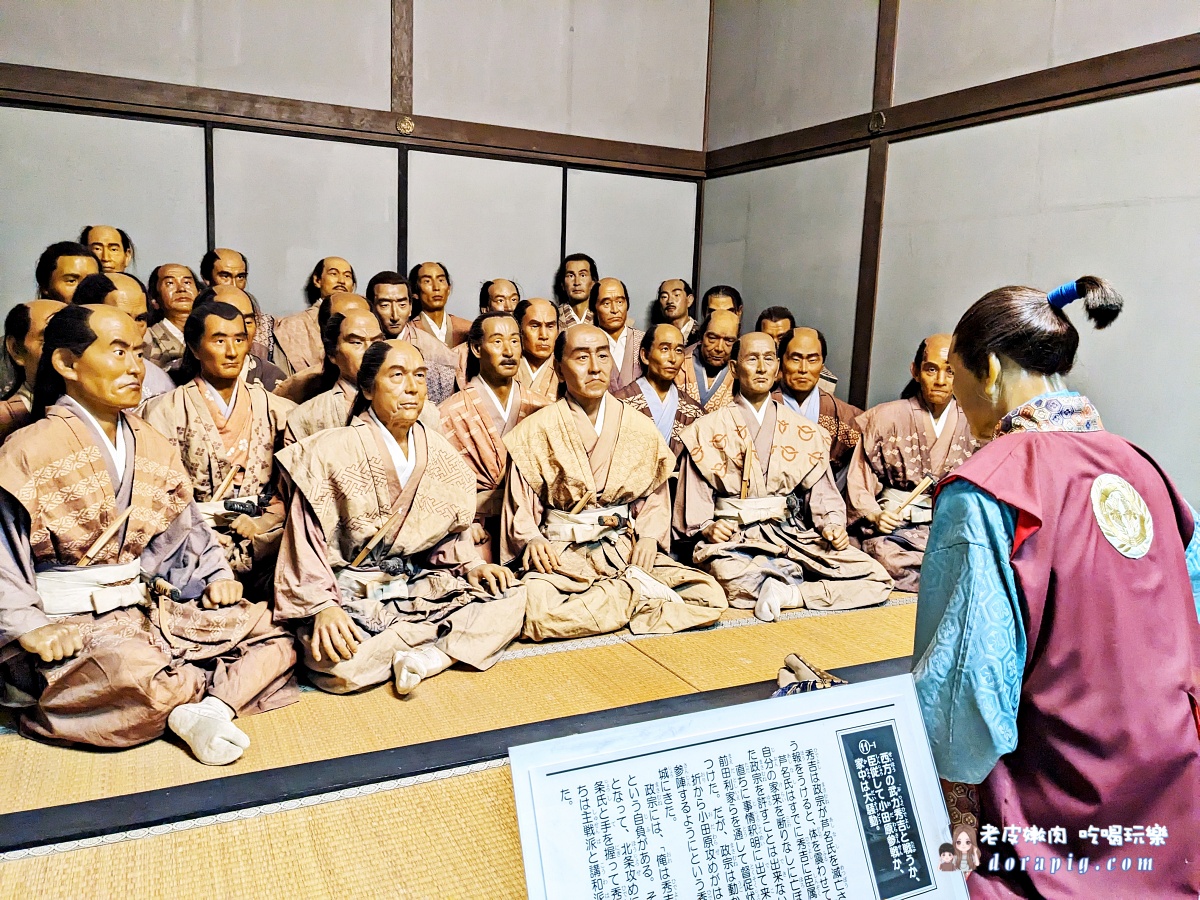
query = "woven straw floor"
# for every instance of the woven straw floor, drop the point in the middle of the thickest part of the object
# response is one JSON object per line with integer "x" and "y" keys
{"x": 454, "y": 837}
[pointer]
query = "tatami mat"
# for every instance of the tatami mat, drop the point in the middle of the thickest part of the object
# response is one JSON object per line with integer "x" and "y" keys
{"x": 456, "y": 837}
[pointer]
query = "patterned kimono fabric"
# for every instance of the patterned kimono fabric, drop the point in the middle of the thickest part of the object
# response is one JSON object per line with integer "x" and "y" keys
{"x": 898, "y": 449}
{"x": 687, "y": 412}
{"x": 690, "y": 380}
{"x": 211, "y": 446}
{"x": 552, "y": 466}
{"x": 472, "y": 426}
{"x": 1107, "y": 717}
{"x": 137, "y": 663}
{"x": 788, "y": 549}
{"x": 628, "y": 368}
{"x": 346, "y": 490}
{"x": 162, "y": 346}
{"x": 15, "y": 412}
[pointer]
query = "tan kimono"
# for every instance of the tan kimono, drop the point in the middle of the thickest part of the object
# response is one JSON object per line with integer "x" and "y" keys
{"x": 298, "y": 341}
{"x": 456, "y": 329}
{"x": 628, "y": 368}
{"x": 476, "y": 428}
{"x": 693, "y": 380}
{"x": 787, "y": 460}
{"x": 544, "y": 381}
{"x": 303, "y": 386}
{"x": 556, "y": 459}
{"x": 60, "y": 490}
{"x": 410, "y": 591}
{"x": 211, "y": 446}
{"x": 567, "y": 317}
{"x": 332, "y": 410}
{"x": 15, "y": 411}
{"x": 838, "y": 419}
{"x": 898, "y": 449}
{"x": 163, "y": 345}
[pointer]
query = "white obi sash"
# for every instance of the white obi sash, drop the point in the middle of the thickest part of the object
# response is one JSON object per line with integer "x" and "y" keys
{"x": 93, "y": 589}
{"x": 752, "y": 509}
{"x": 919, "y": 512}
{"x": 584, "y": 527}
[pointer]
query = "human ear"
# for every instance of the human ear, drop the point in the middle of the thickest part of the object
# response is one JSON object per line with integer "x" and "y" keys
{"x": 15, "y": 350}
{"x": 993, "y": 382}
{"x": 64, "y": 364}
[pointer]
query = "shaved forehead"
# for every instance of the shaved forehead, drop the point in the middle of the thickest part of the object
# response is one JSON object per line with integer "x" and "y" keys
{"x": 584, "y": 336}
{"x": 540, "y": 306}
{"x": 403, "y": 353}
{"x": 723, "y": 318}
{"x": 937, "y": 347}
{"x": 234, "y": 296}
{"x": 361, "y": 319}
{"x": 342, "y": 302}
{"x": 755, "y": 342}
{"x": 671, "y": 333}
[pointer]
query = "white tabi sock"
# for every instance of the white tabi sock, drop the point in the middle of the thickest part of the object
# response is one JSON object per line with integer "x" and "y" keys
{"x": 776, "y": 596}
{"x": 208, "y": 729}
{"x": 411, "y": 667}
{"x": 650, "y": 586}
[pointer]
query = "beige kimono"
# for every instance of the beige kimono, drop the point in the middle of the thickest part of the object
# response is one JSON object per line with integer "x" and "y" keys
{"x": 213, "y": 446}
{"x": 898, "y": 448}
{"x": 557, "y": 460}
{"x": 410, "y": 591}
{"x": 298, "y": 341}
{"x": 628, "y": 368}
{"x": 773, "y": 479}
{"x": 544, "y": 381}
{"x": 332, "y": 410}
{"x": 163, "y": 345}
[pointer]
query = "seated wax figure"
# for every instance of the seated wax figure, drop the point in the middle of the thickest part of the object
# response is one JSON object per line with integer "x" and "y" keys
{"x": 431, "y": 286}
{"x": 655, "y": 393}
{"x": 307, "y": 383}
{"x": 257, "y": 369}
{"x": 377, "y": 564}
{"x": 223, "y": 266}
{"x": 609, "y": 303}
{"x": 1057, "y": 632}
{"x": 903, "y": 441}
{"x": 61, "y": 267}
{"x": 476, "y": 419}
{"x": 673, "y": 306}
{"x": 497, "y": 295}
{"x": 126, "y": 293}
{"x": 587, "y": 511}
{"x": 705, "y": 374}
{"x": 298, "y": 336}
{"x": 802, "y": 361}
{"x": 108, "y": 572}
{"x": 170, "y": 292}
{"x": 755, "y": 484}
{"x": 227, "y": 432}
{"x": 538, "y": 320}
{"x": 110, "y": 245}
{"x": 391, "y": 300}
{"x": 778, "y": 321}
{"x": 573, "y": 282}
{"x": 24, "y": 327}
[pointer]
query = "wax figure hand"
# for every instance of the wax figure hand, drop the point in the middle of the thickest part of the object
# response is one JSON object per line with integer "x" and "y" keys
{"x": 540, "y": 556}
{"x": 245, "y": 527}
{"x": 886, "y": 521}
{"x": 222, "y": 593}
{"x": 53, "y": 642}
{"x": 335, "y": 636}
{"x": 837, "y": 536}
{"x": 645, "y": 553}
{"x": 479, "y": 535}
{"x": 720, "y": 531}
{"x": 491, "y": 578}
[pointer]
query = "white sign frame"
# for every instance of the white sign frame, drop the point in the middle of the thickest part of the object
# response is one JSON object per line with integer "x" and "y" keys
{"x": 823, "y": 714}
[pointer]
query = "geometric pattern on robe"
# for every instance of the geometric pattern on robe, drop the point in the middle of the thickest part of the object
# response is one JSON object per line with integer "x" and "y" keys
{"x": 789, "y": 549}
{"x": 838, "y": 419}
{"x": 567, "y": 317}
{"x": 552, "y": 467}
{"x": 162, "y": 347}
{"x": 15, "y": 412}
{"x": 298, "y": 339}
{"x": 628, "y": 369}
{"x": 897, "y": 449}
{"x": 470, "y": 424}
{"x": 346, "y": 488}
{"x": 136, "y": 663}
{"x": 687, "y": 383}
{"x": 686, "y": 412}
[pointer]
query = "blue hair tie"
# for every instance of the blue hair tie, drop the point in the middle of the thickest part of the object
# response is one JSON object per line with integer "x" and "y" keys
{"x": 1063, "y": 294}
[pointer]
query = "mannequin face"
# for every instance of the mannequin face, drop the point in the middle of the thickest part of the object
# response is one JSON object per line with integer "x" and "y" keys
{"x": 393, "y": 307}
{"x": 107, "y": 376}
{"x": 336, "y": 275}
{"x": 716, "y": 344}
{"x": 499, "y": 352}
{"x": 434, "y": 287}
{"x": 360, "y": 329}
{"x": 130, "y": 299}
{"x": 176, "y": 290}
{"x": 776, "y": 328}
{"x": 68, "y": 272}
{"x": 503, "y": 296}
{"x": 612, "y": 306}
{"x": 239, "y": 300}
{"x": 666, "y": 354}
{"x": 105, "y": 241}
{"x": 399, "y": 390}
{"x": 935, "y": 376}
{"x": 539, "y": 329}
{"x": 578, "y": 281}
{"x": 674, "y": 300}
{"x": 587, "y": 362}
{"x": 229, "y": 268}
{"x": 222, "y": 350}
{"x": 757, "y": 366}
{"x": 28, "y": 355}
{"x": 802, "y": 362}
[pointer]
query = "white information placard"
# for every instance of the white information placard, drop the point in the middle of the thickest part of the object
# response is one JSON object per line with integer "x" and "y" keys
{"x": 830, "y": 794}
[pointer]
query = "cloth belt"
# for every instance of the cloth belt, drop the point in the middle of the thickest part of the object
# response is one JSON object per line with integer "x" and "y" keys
{"x": 215, "y": 514}
{"x": 582, "y": 527}
{"x": 919, "y": 512}
{"x": 74, "y": 590}
{"x": 373, "y": 584}
{"x": 752, "y": 509}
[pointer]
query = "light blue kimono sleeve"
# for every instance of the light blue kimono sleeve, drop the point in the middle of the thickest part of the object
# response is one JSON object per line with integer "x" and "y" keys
{"x": 970, "y": 640}
{"x": 1193, "y": 560}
